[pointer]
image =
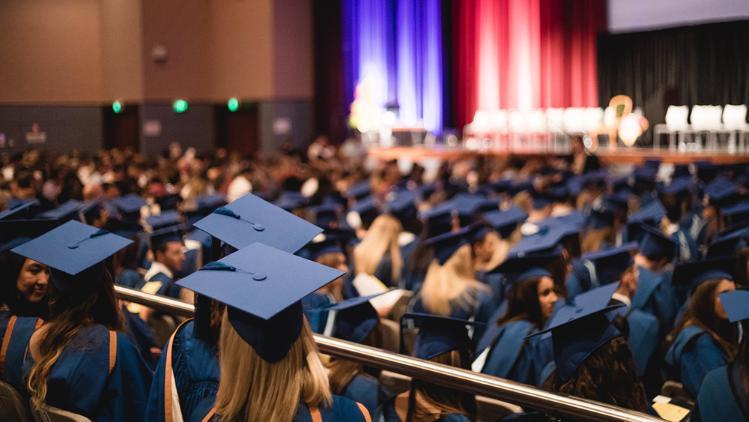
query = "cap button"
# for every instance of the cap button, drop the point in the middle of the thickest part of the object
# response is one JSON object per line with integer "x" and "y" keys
{"x": 578, "y": 310}
{"x": 258, "y": 227}
{"x": 259, "y": 276}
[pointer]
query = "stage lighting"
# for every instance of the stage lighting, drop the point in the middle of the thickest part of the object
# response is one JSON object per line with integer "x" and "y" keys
{"x": 117, "y": 107}
{"x": 232, "y": 104}
{"x": 180, "y": 106}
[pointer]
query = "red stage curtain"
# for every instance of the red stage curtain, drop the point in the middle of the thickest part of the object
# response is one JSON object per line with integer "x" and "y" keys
{"x": 524, "y": 54}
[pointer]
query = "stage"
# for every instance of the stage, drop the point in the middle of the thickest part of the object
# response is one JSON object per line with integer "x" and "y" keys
{"x": 616, "y": 156}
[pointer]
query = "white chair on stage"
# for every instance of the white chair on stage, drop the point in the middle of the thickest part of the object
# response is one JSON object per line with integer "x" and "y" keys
{"x": 676, "y": 126}
{"x": 734, "y": 123}
{"x": 705, "y": 119}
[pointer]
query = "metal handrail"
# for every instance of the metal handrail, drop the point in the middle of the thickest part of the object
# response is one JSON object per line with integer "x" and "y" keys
{"x": 444, "y": 375}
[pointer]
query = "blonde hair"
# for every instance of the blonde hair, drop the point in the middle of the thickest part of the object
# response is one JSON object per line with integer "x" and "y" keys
{"x": 452, "y": 284}
{"x": 252, "y": 389}
{"x": 381, "y": 237}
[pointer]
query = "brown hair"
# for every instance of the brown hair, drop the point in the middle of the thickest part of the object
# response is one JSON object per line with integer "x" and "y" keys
{"x": 342, "y": 371}
{"x": 446, "y": 399}
{"x": 701, "y": 313}
{"x": 522, "y": 303}
{"x": 92, "y": 301}
{"x": 608, "y": 375}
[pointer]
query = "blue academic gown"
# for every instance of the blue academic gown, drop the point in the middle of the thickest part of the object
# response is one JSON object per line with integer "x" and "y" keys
{"x": 81, "y": 380}
{"x": 195, "y": 368}
{"x": 312, "y": 305}
{"x": 387, "y": 413}
{"x": 407, "y": 251}
{"x": 514, "y": 357}
{"x": 342, "y": 410}
{"x": 364, "y": 389}
{"x": 692, "y": 355}
{"x": 721, "y": 397}
{"x": 656, "y": 296}
{"x": 130, "y": 278}
{"x": 141, "y": 335}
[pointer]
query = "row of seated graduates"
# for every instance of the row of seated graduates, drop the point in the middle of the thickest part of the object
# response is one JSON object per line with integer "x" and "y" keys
{"x": 653, "y": 252}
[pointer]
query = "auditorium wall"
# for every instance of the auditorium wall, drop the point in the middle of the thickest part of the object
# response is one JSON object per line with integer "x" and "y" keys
{"x": 60, "y": 54}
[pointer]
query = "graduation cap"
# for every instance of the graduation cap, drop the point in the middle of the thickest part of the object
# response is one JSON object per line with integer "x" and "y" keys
{"x": 736, "y": 304}
{"x": 207, "y": 203}
{"x": 656, "y": 245}
{"x": 695, "y": 273}
{"x": 91, "y": 210}
{"x": 541, "y": 200}
{"x": 545, "y": 240}
{"x": 595, "y": 178}
{"x": 326, "y": 214}
{"x": 71, "y": 249}
{"x": 439, "y": 334}
{"x": 250, "y": 219}
{"x": 601, "y": 218}
{"x": 446, "y": 244}
{"x": 169, "y": 201}
{"x": 651, "y": 215}
{"x": 518, "y": 268}
{"x": 617, "y": 202}
{"x": 621, "y": 185}
{"x": 727, "y": 243}
{"x": 678, "y": 186}
{"x": 598, "y": 296}
{"x": 262, "y": 287}
{"x": 645, "y": 174}
{"x": 577, "y": 331}
{"x": 721, "y": 192}
{"x": 402, "y": 205}
{"x": 367, "y": 210}
{"x": 605, "y": 266}
{"x": 518, "y": 186}
{"x": 354, "y": 318}
{"x": 66, "y": 211}
{"x": 291, "y": 200}
{"x": 426, "y": 190}
{"x": 22, "y": 210}
{"x": 501, "y": 186}
{"x": 165, "y": 235}
{"x": 16, "y": 232}
{"x": 736, "y": 213}
{"x": 326, "y": 246}
{"x": 129, "y": 205}
{"x": 438, "y": 219}
{"x": 506, "y": 222}
{"x": 681, "y": 170}
{"x": 359, "y": 190}
{"x": 558, "y": 193}
{"x": 165, "y": 219}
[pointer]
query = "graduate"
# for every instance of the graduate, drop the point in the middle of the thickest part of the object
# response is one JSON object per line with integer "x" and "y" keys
{"x": 402, "y": 205}
{"x": 266, "y": 348}
{"x": 379, "y": 253}
{"x": 356, "y": 320}
{"x": 450, "y": 287}
{"x": 503, "y": 350}
{"x": 591, "y": 357}
{"x": 328, "y": 252}
{"x": 724, "y": 394}
{"x": 442, "y": 340}
{"x": 79, "y": 360}
{"x": 704, "y": 339}
{"x": 189, "y": 362}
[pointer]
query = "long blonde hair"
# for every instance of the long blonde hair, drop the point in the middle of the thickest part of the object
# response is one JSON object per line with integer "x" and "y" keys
{"x": 452, "y": 284}
{"x": 381, "y": 237}
{"x": 252, "y": 389}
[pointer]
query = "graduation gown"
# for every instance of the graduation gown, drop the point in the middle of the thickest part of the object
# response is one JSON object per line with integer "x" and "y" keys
{"x": 190, "y": 368}
{"x": 318, "y": 319}
{"x": 100, "y": 374}
{"x": 342, "y": 410}
{"x": 692, "y": 355}
{"x": 655, "y": 295}
{"x": 388, "y": 413}
{"x": 510, "y": 355}
{"x": 141, "y": 335}
{"x": 720, "y": 397}
{"x": 364, "y": 389}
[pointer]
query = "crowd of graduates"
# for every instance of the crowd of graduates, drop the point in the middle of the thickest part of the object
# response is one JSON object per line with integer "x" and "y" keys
{"x": 615, "y": 284}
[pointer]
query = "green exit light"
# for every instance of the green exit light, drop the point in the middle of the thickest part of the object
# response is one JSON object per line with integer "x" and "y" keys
{"x": 232, "y": 104}
{"x": 117, "y": 107}
{"x": 179, "y": 105}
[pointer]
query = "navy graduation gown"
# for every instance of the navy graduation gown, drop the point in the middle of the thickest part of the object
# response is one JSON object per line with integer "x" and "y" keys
{"x": 100, "y": 375}
{"x": 655, "y": 295}
{"x": 720, "y": 398}
{"x": 364, "y": 389}
{"x": 643, "y": 338}
{"x": 130, "y": 279}
{"x": 387, "y": 413}
{"x": 141, "y": 335}
{"x": 16, "y": 333}
{"x": 317, "y": 318}
{"x": 692, "y": 355}
{"x": 342, "y": 410}
{"x": 514, "y": 357}
{"x": 194, "y": 366}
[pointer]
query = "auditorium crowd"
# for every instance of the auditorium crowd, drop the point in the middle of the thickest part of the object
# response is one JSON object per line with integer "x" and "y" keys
{"x": 620, "y": 285}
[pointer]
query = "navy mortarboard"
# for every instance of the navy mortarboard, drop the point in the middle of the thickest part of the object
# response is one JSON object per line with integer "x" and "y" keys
{"x": 67, "y": 211}
{"x": 605, "y": 266}
{"x": 23, "y": 210}
{"x": 262, "y": 287}
{"x": 250, "y": 219}
{"x": 355, "y": 318}
{"x": 446, "y": 244}
{"x": 359, "y": 191}
{"x": 71, "y": 249}
{"x": 656, "y": 245}
{"x": 439, "y": 335}
{"x": 736, "y": 304}
{"x": 16, "y": 232}
{"x": 695, "y": 273}
{"x": 728, "y": 243}
{"x": 505, "y": 222}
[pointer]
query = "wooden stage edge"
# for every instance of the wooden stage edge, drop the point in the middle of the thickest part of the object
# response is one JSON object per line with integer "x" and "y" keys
{"x": 617, "y": 156}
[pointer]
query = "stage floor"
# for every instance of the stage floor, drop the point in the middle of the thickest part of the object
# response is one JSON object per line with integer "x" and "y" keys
{"x": 608, "y": 156}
